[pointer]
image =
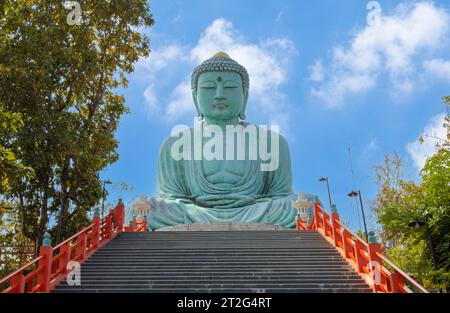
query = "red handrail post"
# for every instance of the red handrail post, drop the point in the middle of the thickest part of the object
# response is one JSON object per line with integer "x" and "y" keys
{"x": 375, "y": 264}
{"x": 348, "y": 247}
{"x": 335, "y": 226}
{"x": 17, "y": 283}
{"x": 45, "y": 264}
{"x": 328, "y": 230}
{"x": 317, "y": 216}
{"x": 360, "y": 261}
{"x": 109, "y": 227}
{"x": 396, "y": 281}
{"x": 65, "y": 258}
{"x": 96, "y": 230}
{"x": 120, "y": 214}
{"x": 82, "y": 242}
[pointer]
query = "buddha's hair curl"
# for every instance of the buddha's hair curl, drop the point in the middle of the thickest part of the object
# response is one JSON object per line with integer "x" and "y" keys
{"x": 218, "y": 63}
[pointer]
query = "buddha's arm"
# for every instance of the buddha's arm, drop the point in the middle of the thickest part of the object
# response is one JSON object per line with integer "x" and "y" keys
{"x": 224, "y": 201}
{"x": 171, "y": 185}
{"x": 279, "y": 182}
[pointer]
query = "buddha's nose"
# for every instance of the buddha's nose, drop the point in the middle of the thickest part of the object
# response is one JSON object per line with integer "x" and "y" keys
{"x": 219, "y": 93}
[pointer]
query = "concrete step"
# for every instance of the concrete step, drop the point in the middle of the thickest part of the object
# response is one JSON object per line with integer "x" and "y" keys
{"x": 218, "y": 266}
{"x": 263, "y": 271}
{"x": 223, "y": 287}
{"x": 200, "y": 260}
{"x": 234, "y": 282}
{"x": 209, "y": 276}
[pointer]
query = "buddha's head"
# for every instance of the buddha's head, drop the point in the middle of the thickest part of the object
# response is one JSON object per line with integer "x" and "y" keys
{"x": 220, "y": 88}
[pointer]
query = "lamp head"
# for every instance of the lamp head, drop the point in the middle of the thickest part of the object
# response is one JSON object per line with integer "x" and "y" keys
{"x": 416, "y": 224}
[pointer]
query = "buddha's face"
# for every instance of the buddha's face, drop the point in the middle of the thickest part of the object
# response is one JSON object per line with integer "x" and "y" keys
{"x": 220, "y": 95}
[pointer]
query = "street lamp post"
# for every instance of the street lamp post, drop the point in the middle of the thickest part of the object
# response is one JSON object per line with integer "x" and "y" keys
{"x": 421, "y": 223}
{"x": 325, "y": 179}
{"x": 104, "y": 195}
{"x": 356, "y": 194}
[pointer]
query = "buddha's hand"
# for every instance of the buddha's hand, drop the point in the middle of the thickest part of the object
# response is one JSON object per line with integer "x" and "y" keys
{"x": 224, "y": 201}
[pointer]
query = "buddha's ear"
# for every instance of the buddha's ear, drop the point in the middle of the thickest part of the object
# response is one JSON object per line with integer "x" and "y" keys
{"x": 242, "y": 113}
{"x": 194, "y": 96}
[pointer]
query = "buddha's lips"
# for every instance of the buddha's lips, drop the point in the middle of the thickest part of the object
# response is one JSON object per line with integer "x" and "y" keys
{"x": 221, "y": 104}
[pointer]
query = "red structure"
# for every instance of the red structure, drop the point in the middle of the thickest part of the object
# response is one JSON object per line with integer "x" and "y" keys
{"x": 366, "y": 258}
{"x": 45, "y": 272}
{"x": 140, "y": 225}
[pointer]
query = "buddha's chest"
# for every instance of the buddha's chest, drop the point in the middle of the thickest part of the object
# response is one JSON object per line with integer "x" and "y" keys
{"x": 223, "y": 171}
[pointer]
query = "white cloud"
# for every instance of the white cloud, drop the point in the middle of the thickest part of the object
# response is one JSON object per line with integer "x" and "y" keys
{"x": 151, "y": 100}
{"x": 158, "y": 60}
{"x": 317, "y": 71}
{"x": 420, "y": 152}
{"x": 180, "y": 101}
{"x": 438, "y": 69}
{"x": 387, "y": 48}
{"x": 267, "y": 62}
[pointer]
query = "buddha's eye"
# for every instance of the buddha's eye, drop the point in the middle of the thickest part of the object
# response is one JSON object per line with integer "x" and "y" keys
{"x": 208, "y": 85}
{"x": 231, "y": 85}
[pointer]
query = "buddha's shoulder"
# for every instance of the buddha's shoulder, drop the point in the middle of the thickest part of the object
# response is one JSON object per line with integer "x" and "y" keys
{"x": 176, "y": 135}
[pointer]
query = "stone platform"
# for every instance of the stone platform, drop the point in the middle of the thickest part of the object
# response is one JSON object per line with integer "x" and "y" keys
{"x": 224, "y": 226}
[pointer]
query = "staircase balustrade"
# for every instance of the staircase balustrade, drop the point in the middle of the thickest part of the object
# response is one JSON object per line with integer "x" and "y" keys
{"x": 366, "y": 258}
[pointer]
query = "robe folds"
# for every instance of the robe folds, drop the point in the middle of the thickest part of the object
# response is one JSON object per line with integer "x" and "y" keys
{"x": 187, "y": 197}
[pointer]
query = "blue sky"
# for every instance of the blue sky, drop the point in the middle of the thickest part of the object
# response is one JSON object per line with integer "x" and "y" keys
{"x": 317, "y": 68}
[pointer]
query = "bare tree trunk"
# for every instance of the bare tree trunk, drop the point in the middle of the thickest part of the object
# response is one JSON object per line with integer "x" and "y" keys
{"x": 65, "y": 199}
{"x": 42, "y": 224}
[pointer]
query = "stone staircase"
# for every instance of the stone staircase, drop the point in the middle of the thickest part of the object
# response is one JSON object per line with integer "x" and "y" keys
{"x": 261, "y": 261}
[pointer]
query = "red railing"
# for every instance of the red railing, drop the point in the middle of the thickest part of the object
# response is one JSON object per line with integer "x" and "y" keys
{"x": 137, "y": 226}
{"x": 46, "y": 271}
{"x": 366, "y": 258}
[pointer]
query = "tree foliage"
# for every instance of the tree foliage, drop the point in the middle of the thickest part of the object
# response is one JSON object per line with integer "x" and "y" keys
{"x": 11, "y": 169}
{"x": 401, "y": 203}
{"x": 15, "y": 249}
{"x": 62, "y": 81}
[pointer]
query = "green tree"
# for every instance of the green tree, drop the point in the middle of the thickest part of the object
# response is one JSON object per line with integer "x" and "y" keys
{"x": 11, "y": 169}
{"x": 15, "y": 248}
{"x": 428, "y": 201}
{"x": 63, "y": 80}
{"x": 388, "y": 177}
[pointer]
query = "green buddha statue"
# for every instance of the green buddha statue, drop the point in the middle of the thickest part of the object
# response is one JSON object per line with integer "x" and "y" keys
{"x": 223, "y": 168}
